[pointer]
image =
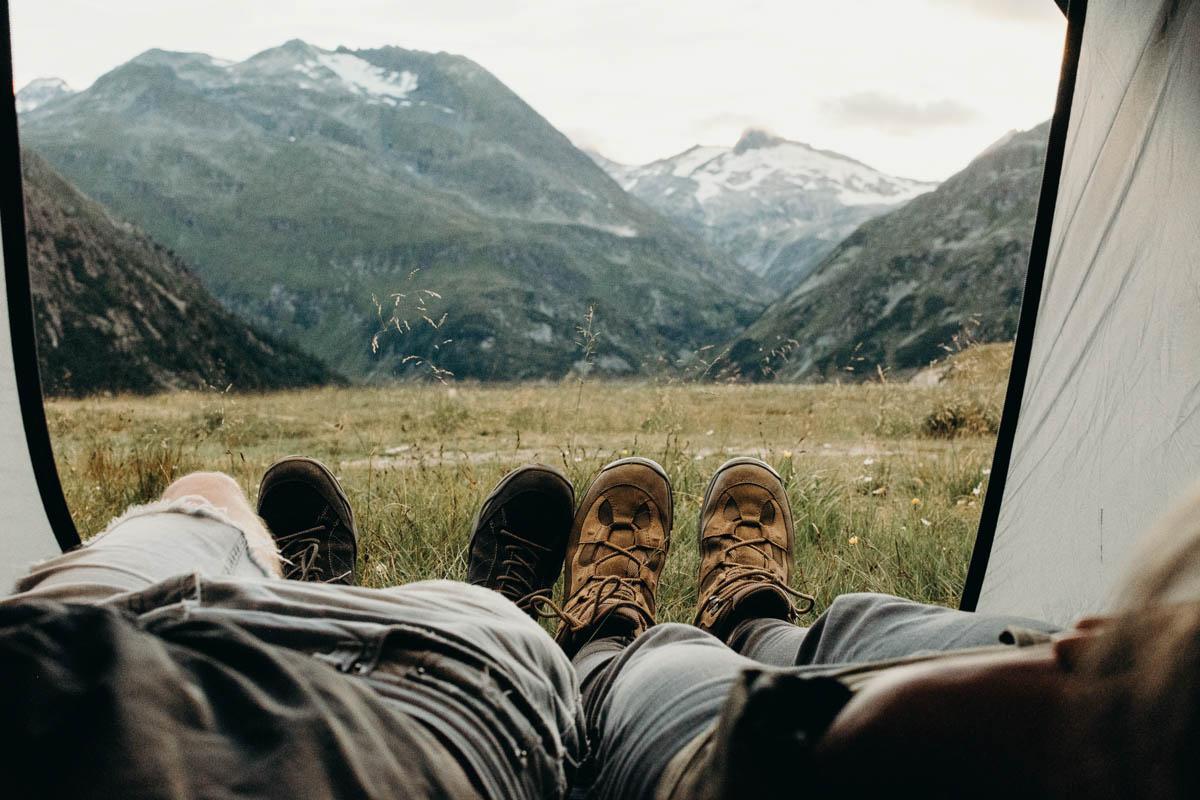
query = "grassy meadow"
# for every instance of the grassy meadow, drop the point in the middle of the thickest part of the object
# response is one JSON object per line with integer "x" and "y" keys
{"x": 886, "y": 479}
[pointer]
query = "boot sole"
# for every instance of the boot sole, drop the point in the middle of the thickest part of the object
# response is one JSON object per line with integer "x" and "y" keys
{"x": 573, "y": 539}
{"x": 509, "y": 479}
{"x": 495, "y": 496}
{"x": 733, "y": 462}
{"x": 645, "y": 462}
{"x": 324, "y": 470}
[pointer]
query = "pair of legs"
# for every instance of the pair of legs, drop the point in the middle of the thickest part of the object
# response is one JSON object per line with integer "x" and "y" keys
{"x": 495, "y": 706}
{"x": 187, "y": 667}
{"x": 652, "y": 691}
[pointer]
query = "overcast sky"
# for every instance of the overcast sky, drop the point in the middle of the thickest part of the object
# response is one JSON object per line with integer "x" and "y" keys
{"x": 913, "y": 87}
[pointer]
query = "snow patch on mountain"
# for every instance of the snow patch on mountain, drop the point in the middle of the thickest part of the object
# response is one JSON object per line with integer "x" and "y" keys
{"x": 365, "y": 78}
{"x": 716, "y": 170}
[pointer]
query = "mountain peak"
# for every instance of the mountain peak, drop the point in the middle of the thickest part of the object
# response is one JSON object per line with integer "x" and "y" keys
{"x": 756, "y": 138}
{"x": 40, "y": 91}
{"x": 298, "y": 47}
{"x": 47, "y": 83}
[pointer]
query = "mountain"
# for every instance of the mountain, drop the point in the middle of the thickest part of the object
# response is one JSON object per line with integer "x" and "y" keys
{"x": 40, "y": 91}
{"x": 116, "y": 312}
{"x": 778, "y": 206}
{"x": 336, "y": 195}
{"x": 904, "y": 285}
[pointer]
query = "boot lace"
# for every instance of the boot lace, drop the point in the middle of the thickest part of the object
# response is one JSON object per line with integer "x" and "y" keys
{"x": 735, "y": 572}
{"x": 304, "y": 553}
{"x": 606, "y": 593}
{"x": 518, "y": 578}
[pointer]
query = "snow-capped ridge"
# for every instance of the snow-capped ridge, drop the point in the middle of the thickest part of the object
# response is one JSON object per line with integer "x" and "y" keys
{"x": 296, "y": 63}
{"x": 777, "y": 205}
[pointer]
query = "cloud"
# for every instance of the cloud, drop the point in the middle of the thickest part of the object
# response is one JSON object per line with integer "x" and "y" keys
{"x": 895, "y": 115}
{"x": 724, "y": 127}
{"x": 1006, "y": 10}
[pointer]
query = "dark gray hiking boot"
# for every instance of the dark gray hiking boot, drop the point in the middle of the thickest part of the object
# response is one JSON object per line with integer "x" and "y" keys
{"x": 746, "y": 539}
{"x": 520, "y": 535}
{"x": 311, "y": 520}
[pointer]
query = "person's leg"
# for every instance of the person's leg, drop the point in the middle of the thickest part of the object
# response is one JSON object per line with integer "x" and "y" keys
{"x": 873, "y": 627}
{"x": 203, "y": 523}
{"x": 647, "y": 690}
{"x": 746, "y": 539}
{"x": 649, "y": 701}
{"x": 646, "y": 700}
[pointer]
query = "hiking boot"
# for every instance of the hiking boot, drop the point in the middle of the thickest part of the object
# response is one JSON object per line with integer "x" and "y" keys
{"x": 616, "y": 552}
{"x": 746, "y": 538}
{"x": 521, "y": 535}
{"x": 311, "y": 520}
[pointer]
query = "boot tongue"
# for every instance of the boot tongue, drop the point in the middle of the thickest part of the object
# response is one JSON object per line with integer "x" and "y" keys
{"x": 622, "y": 535}
{"x": 750, "y": 555}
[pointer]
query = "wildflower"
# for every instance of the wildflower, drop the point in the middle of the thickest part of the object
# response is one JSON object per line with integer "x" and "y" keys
{"x": 978, "y": 488}
{"x": 625, "y": 452}
{"x": 865, "y": 479}
{"x": 853, "y": 540}
{"x": 987, "y": 472}
{"x": 926, "y": 523}
{"x": 787, "y": 453}
{"x": 868, "y": 462}
{"x": 916, "y": 501}
{"x": 709, "y": 432}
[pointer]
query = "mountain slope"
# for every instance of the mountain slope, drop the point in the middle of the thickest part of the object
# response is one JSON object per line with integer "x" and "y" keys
{"x": 779, "y": 206}
{"x": 116, "y": 312}
{"x": 302, "y": 183}
{"x": 901, "y": 286}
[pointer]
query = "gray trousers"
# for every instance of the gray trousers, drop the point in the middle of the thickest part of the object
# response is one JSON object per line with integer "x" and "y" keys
{"x": 645, "y": 700}
{"x": 415, "y": 691}
{"x": 218, "y": 680}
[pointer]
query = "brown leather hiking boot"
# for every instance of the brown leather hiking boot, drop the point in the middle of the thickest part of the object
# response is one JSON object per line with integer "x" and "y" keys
{"x": 746, "y": 541}
{"x": 616, "y": 552}
{"x": 311, "y": 520}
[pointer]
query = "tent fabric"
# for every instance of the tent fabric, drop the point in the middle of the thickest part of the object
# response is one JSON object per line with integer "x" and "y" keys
{"x": 1108, "y": 430}
{"x": 36, "y": 521}
{"x": 28, "y": 535}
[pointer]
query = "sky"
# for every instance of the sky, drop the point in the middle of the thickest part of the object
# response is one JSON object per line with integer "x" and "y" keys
{"x": 913, "y": 87}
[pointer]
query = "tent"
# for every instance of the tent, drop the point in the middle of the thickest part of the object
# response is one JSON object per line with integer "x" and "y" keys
{"x": 1101, "y": 425}
{"x": 37, "y": 523}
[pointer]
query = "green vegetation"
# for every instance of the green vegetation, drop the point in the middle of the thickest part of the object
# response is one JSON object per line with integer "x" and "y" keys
{"x": 880, "y": 503}
{"x": 297, "y": 201}
{"x": 117, "y": 312}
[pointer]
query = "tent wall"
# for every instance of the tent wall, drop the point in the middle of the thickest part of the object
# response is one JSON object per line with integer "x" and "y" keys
{"x": 36, "y": 521}
{"x": 1107, "y": 428}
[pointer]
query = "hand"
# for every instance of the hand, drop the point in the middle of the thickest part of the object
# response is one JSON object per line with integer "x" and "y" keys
{"x": 1070, "y": 646}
